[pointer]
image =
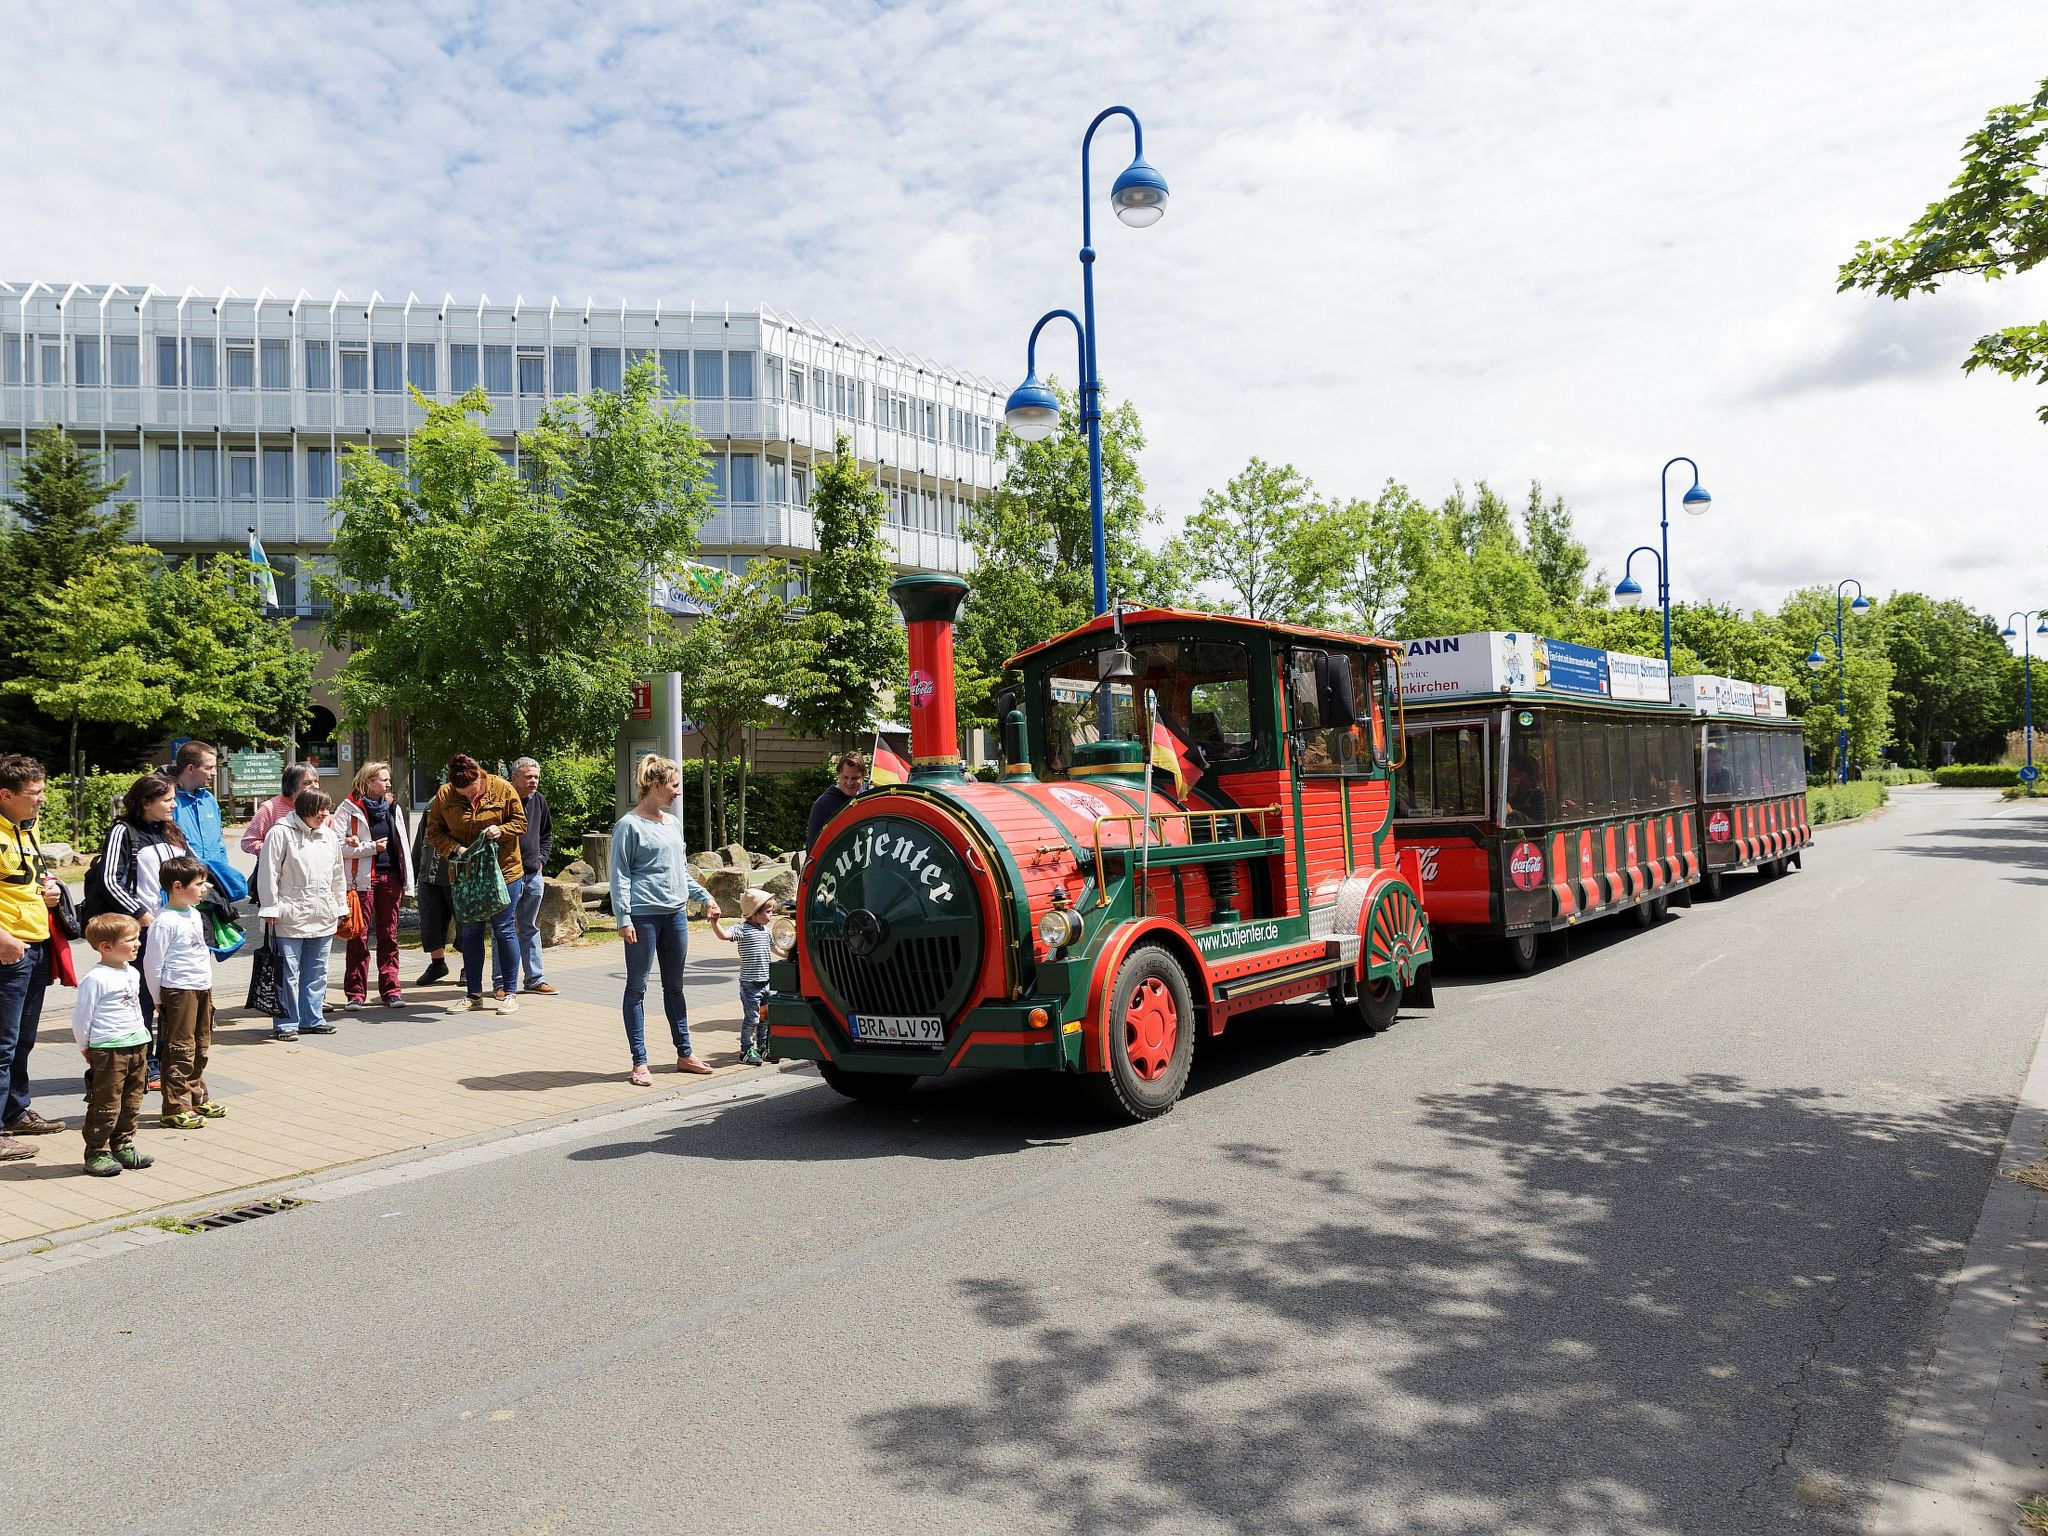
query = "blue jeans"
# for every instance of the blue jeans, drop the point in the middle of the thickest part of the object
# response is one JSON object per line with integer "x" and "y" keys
{"x": 21, "y": 1014}
{"x": 663, "y": 935}
{"x": 469, "y": 938}
{"x": 753, "y": 1028}
{"x": 526, "y": 893}
{"x": 302, "y": 979}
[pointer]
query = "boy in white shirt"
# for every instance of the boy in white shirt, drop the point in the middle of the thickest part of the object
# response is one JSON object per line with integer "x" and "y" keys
{"x": 107, "y": 1023}
{"x": 179, "y": 969}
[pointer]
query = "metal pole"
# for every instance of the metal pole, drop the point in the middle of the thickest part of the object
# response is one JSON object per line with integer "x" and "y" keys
{"x": 1091, "y": 376}
{"x": 1664, "y": 557}
{"x": 1841, "y": 695}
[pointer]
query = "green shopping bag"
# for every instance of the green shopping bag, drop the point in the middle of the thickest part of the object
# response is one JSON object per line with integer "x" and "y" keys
{"x": 477, "y": 885}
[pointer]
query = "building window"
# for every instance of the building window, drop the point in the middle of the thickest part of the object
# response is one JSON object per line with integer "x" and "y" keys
{"x": 242, "y": 476}
{"x": 604, "y": 368}
{"x": 277, "y": 474}
{"x": 821, "y": 391}
{"x": 715, "y": 462}
{"x": 124, "y": 362}
{"x": 746, "y": 477}
{"x": 277, "y": 364}
{"x": 85, "y": 360}
{"x": 419, "y": 366}
{"x": 773, "y": 370}
{"x": 355, "y": 373}
{"x": 675, "y": 371}
{"x": 800, "y": 486}
{"x": 636, "y": 355}
{"x": 710, "y": 376}
{"x": 565, "y": 370}
{"x": 166, "y": 362}
{"x": 796, "y": 386}
{"x": 533, "y": 369}
{"x": 740, "y": 375}
{"x": 461, "y": 368}
{"x": 497, "y": 370}
{"x": 386, "y": 360}
{"x": 391, "y": 458}
{"x": 200, "y": 372}
{"x": 242, "y": 366}
{"x": 127, "y": 470}
{"x": 320, "y": 473}
{"x": 53, "y": 362}
{"x": 204, "y": 465}
{"x": 319, "y": 366}
{"x": 167, "y": 468}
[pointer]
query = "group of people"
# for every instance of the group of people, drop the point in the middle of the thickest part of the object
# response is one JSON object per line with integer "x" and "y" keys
{"x": 143, "y": 1018}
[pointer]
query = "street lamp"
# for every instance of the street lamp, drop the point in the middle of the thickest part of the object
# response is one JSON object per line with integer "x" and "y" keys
{"x": 1816, "y": 661}
{"x": 1628, "y": 592}
{"x": 1139, "y": 197}
{"x": 2027, "y": 665}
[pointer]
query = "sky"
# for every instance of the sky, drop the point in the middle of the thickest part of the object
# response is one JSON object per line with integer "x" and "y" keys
{"x": 1432, "y": 241}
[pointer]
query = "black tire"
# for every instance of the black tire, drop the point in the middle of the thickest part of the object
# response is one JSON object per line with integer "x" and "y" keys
{"x": 1644, "y": 917}
{"x": 1712, "y": 885}
{"x": 869, "y": 1087}
{"x": 1516, "y": 954}
{"x": 1148, "y": 1063}
{"x": 1660, "y": 908}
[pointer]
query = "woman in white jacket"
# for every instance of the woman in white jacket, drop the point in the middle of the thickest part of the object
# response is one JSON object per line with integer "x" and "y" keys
{"x": 305, "y": 894}
{"x": 371, "y": 826}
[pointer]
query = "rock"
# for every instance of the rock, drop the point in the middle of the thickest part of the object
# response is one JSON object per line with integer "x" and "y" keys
{"x": 777, "y": 881}
{"x": 703, "y": 860}
{"x": 736, "y": 856}
{"x": 580, "y": 873}
{"x": 760, "y": 859}
{"x": 561, "y": 913}
{"x": 59, "y": 853}
{"x": 597, "y": 853}
{"x": 725, "y": 886}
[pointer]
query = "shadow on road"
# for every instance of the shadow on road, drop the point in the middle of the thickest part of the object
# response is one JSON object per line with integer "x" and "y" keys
{"x": 1668, "y": 1307}
{"x": 2023, "y": 847}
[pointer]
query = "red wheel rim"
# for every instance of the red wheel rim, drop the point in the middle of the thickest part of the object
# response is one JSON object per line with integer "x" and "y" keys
{"x": 1151, "y": 1026}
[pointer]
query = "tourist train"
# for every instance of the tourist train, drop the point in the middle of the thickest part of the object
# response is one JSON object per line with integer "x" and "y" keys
{"x": 1200, "y": 816}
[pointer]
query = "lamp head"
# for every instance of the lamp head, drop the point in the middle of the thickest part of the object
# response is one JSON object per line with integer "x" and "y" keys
{"x": 1814, "y": 659}
{"x": 2008, "y": 633}
{"x": 1139, "y": 195}
{"x": 1033, "y": 411}
{"x": 1861, "y": 606}
{"x": 1628, "y": 593}
{"x": 2042, "y": 627}
{"x": 1696, "y": 500}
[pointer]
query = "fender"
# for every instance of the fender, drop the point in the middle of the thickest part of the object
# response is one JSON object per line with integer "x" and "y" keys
{"x": 1095, "y": 1023}
{"x": 1359, "y": 899}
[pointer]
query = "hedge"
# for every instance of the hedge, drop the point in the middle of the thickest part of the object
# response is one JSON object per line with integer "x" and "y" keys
{"x": 1840, "y": 802}
{"x": 1977, "y": 775}
{"x": 1894, "y": 777}
{"x": 583, "y": 791}
{"x": 100, "y": 792}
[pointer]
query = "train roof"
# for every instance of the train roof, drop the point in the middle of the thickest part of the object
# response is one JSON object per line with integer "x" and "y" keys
{"x": 1133, "y": 617}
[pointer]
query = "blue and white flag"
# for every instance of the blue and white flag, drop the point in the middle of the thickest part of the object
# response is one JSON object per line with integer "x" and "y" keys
{"x": 265, "y": 581}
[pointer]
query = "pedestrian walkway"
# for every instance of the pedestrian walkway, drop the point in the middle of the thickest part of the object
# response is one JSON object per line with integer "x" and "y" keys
{"x": 388, "y": 1081}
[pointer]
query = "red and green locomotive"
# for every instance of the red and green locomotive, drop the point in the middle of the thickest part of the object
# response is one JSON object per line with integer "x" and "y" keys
{"x": 1195, "y": 821}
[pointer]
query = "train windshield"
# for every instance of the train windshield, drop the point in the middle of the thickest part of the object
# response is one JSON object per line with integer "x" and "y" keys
{"x": 1202, "y": 688}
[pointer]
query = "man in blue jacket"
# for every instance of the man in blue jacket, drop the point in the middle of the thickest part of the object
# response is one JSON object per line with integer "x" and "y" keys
{"x": 198, "y": 816}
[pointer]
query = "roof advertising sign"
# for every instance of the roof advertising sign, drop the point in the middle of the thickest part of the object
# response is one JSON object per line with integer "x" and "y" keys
{"x": 1644, "y": 679}
{"x": 1568, "y": 668}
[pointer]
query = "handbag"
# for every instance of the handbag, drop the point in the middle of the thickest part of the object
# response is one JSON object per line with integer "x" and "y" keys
{"x": 266, "y": 982}
{"x": 353, "y": 925}
{"x": 478, "y": 892}
{"x": 65, "y": 923}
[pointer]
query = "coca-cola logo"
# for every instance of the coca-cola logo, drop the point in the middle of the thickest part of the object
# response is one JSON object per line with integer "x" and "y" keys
{"x": 921, "y": 688}
{"x": 1718, "y": 827}
{"x": 1425, "y": 859}
{"x": 1525, "y": 866}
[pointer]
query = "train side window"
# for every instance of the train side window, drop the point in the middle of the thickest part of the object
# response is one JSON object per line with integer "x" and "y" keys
{"x": 1458, "y": 759}
{"x": 1719, "y": 778}
{"x": 1416, "y": 781}
{"x": 1749, "y": 763}
{"x": 1529, "y": 794}
{"x": 1678, "y": 763}
{"x": 1599, "y": 778}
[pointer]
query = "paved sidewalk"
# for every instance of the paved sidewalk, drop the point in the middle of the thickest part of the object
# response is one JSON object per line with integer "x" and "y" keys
{"x": 388, "y": 1081}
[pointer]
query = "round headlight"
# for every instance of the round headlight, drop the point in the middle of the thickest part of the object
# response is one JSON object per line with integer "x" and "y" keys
{"x": 1059, "y": 927}
{"x": 782, "y": 935}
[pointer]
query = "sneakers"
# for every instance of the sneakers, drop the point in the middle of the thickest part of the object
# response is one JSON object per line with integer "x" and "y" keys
{"x": 210, "y": 1110}
{"x": 393, "y": 1000}
{"x": 437, "y": 970}
{"x": 752, "y": 1058}
{"x": 155, "y": 1083}
{"x": 476, "y": 1004}
{"x": 101, "y": 1165}
{"x": 33, "y": 1124}
{"x": 180, "y": 1120}
{"x": 351, "y": 1004}
{"x": 12, "y": 1151}
{"x": 639, "y": 1078}
{"x": 545, "y": 989}
{"x": 693, "y": 1064}
{"x": 322, "y": 1028}
{"x": 132, "y": 1156}
{"x": 506, "y": 1003}
{"x": 286, "y": 1035}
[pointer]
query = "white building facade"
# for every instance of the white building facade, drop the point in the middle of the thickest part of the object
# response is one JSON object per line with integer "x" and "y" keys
{"x": 225, "y": 413}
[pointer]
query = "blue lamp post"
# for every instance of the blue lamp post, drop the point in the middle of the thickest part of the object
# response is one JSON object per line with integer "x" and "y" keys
{"x": 1628, "y": 592}
{"x": 1139, "y": 198}
{"x": 1816, "y": 661}
{"x": 2019, "y": 632}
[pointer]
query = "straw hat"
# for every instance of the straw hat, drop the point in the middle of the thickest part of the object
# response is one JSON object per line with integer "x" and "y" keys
{"x": 753, "y": 899}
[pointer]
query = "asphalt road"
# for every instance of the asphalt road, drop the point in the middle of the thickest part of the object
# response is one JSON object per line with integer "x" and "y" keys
{"x": 1654, "y": 1240}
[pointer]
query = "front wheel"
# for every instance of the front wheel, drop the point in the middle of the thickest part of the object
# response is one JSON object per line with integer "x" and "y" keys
{"x": 1150, "y": 1041}
{"x": 870, "y": 1087}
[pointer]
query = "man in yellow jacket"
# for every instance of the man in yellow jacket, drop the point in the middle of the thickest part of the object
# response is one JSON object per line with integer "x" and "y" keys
{"x": 27, "y": 893}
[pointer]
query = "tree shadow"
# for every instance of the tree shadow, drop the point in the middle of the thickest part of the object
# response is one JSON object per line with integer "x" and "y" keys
{"x": 539, "y": 1081}
{"x": 1668, "y": 1307}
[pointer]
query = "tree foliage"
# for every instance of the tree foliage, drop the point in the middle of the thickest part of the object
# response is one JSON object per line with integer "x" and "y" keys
{"x": 859, "y": 645}
{"x": 1271, "y": 544}
{"x": 1993, "y": 223}
{"x": 505, "y": 613}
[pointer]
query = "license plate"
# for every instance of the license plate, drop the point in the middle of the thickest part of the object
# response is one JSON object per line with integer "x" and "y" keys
{"x": 897, "y": 1029}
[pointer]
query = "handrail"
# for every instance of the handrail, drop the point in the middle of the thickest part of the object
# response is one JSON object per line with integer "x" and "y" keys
{"x": 1394, "y": 765}
{"x": 1237, "y": 815}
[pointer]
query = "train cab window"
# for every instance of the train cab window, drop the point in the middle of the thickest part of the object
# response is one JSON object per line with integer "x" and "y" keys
{"x": 1330, "y": 711}
{"x": 1445, "y": 775}
{"x": 1202, "y": 687}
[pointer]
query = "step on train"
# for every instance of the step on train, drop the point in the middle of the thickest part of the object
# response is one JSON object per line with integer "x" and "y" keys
{"x": 1200, "y": 816}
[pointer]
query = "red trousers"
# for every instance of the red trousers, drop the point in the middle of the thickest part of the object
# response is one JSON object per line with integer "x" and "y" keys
{"x": 380, "y": 908}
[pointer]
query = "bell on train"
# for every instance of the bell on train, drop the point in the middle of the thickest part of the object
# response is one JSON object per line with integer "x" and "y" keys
{"x": 1116, "y": 663}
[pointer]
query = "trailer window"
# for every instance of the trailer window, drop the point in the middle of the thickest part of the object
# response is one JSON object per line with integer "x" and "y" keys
{"x": 1528, "y": 795}
{"x": 1445, "y": 775}
{"x": 1749, "y": 764}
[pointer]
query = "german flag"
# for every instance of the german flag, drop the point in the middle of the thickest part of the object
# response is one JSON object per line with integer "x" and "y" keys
{"x": 1171, "y": 753}
{"x": 889, "y": 767}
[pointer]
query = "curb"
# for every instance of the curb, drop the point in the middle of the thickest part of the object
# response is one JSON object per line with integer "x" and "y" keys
{"x": 1973, "y": 1447}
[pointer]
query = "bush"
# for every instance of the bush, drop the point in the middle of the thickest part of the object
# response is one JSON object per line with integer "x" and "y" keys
{"x": 1897, "y": 776}
{"x": 583, "y": 793}
{"x": 98, "y": 796}
{"x": 1840, "y": 802}
{"x": 2022, "y": 792}
{"x": 1977, "y": 775}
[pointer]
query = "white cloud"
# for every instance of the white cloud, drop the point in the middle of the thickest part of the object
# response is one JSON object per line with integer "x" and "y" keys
{"x": 1508, "y": 240}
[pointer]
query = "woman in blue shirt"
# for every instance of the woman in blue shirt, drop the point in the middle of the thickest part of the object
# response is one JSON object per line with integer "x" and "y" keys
{"x": 651, "y": 889}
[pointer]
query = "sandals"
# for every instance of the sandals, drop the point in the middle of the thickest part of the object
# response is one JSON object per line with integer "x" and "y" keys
{"x": 641, "y": 1077}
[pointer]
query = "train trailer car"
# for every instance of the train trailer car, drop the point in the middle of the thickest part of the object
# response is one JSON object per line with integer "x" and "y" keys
{"x": 1545, "y": 785}
{"x": 1194, "y": 822}
{"x": 1750, "y": 763}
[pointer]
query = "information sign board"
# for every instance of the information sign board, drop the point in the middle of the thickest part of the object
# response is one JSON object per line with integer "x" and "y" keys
{"x": 256, "y": 775}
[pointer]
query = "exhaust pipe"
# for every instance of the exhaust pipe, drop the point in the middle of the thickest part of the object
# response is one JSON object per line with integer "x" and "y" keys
{"x": 930, "y": 603}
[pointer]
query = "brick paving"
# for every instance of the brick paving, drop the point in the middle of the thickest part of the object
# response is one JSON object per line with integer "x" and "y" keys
{"x": 388, "y": 1081}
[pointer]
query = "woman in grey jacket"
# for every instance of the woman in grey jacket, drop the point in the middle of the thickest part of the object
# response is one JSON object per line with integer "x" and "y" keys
{"x": 305, "y": 893}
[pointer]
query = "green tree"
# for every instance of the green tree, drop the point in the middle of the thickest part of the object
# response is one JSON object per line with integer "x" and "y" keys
{"x": 1271, "y": 543}
{"x": 1952, "y": 677}
{"x": 507, "y": 613}
{"x": 1810, "y": 613}
{"x": 740, "y": 660}
{"x": 1034, "y": 549}
{"x": 1993, "y": 223}
{"x": 238, "y": 675}
{"x": 860, "y": 649}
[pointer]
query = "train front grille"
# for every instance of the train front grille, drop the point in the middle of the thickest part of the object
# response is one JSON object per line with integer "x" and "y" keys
{"x": 912, "y": 980}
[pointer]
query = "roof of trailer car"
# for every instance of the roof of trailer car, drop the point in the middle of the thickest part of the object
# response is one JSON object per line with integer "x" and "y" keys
{"x": 1138, "y": 616}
